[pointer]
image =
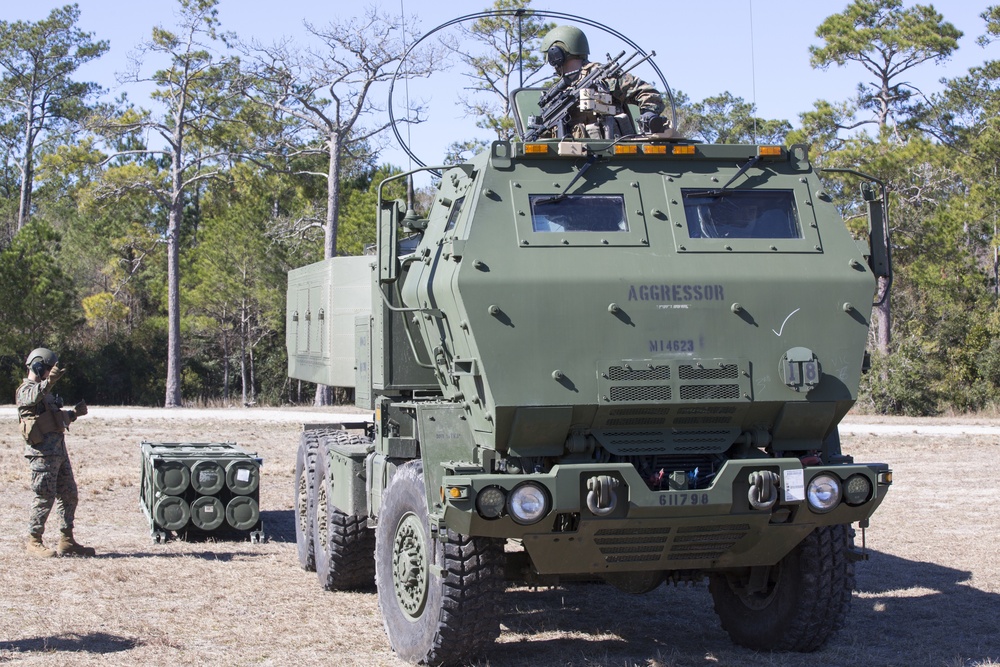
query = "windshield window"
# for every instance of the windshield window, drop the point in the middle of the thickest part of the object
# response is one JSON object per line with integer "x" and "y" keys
{"x": 741, "y": 214}
{"x": 578, "y": 213}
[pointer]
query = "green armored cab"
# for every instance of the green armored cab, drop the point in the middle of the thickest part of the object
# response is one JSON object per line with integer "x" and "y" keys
{"x": 620, "y": 359}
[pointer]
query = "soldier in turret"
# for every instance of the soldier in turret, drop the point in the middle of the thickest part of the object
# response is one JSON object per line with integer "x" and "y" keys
{"x": 566, "y": 48}
{"x": 43, "y": 422}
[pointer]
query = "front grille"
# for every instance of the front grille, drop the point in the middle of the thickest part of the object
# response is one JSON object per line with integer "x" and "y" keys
{"x": 638, "y": 412}
{"x": 637, "y": 545}
{"x": 637, "y": 421}
{"x": 709, "y": 392}
{"x": 691, "y": 421}
{"x": 627, "y": 442}
{"x": 706, "y": 542}
{"x": 628, "y": 394}
{"x": 724, "y": 372}
{"x": 631, "y": 545}
{"x": 622, "y": 374}
{"x": 662, "y": 381}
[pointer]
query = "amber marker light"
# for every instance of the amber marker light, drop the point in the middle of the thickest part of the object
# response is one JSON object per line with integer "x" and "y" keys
{"x": 769, "y": 151}
{"x": 536, "y": 148}
{"x": 683, "y": 150}
{"x": 626, "y": 149}
{"x": 654, "y": 150}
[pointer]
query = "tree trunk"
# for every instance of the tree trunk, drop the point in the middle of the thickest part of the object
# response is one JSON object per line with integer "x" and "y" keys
{"x": 173, "y": 397}
{"x": 243, "y": 351}
{"x": 324, "y": 394}
{"x": 253, "y": 392}
{"x": 27, "y": 168}
{"x": 332, "y": 196}
{"x": 225, "y": 368}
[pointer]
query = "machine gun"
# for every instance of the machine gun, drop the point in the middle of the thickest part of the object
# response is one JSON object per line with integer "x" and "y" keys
{"x": 557, "y": 102}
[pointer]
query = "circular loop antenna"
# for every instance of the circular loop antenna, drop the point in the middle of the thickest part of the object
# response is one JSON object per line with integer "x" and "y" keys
{"x": 517, "y": 13}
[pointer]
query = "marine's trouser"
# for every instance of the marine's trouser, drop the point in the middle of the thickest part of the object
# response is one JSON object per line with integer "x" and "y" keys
{"x": 53, "y": 483}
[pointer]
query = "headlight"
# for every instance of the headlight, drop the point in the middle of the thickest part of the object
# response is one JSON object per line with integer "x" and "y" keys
{"x": 857, "y": 489}
{"x": 490, "y": 502}
{"x": 823, "y": 493}
{"x": 528, "y": 503}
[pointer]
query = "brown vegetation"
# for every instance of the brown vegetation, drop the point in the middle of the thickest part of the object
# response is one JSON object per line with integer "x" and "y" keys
{"x": 930, "y": 595}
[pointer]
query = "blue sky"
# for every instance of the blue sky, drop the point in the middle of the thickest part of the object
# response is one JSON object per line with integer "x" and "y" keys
{"x": 755, "y": 49}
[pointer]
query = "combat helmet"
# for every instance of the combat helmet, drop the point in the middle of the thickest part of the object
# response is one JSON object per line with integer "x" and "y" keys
{"x": 569, "y": 38}
{"x": 41, "y": 359}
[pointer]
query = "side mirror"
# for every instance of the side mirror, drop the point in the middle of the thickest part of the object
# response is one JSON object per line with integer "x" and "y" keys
{"x": 390, "y": 214}
{"x": 868, "y": 191}
{"x": 877, "y": 233}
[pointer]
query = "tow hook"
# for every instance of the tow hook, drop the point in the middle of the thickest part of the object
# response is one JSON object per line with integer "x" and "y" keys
{"x": 601, "y": 496}
{"x": 763, "y": 489}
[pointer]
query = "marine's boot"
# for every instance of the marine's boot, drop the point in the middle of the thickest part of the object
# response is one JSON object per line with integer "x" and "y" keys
{"x": 36, "y": 548}
{"x": 68, "y": 547}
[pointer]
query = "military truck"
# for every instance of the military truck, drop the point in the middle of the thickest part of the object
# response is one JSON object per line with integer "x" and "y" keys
{"x": 623, "y": 360}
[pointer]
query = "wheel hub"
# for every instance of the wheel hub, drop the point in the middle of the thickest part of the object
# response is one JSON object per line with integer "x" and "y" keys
{"x": 409, "y": 566}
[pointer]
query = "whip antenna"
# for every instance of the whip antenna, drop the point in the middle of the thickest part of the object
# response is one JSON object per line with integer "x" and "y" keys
{"x": 753, "y": 75}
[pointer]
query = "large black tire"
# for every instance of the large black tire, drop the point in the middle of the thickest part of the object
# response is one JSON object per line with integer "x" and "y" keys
{"x": 808, "y": 596}
{"x": 433, "y": 615}
{"x": 305, "y": 497}
{"x": 345, "y": 545}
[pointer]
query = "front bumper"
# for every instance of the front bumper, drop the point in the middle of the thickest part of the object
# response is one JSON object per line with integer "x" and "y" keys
{"x": 710, "y": 528}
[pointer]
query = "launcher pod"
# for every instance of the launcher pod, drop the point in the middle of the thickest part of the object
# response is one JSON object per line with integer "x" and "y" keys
{"x": 195, "y": 489}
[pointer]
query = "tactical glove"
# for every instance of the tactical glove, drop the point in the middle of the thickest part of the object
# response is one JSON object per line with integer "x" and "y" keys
{"x": 80, "y": 409}
{"x": 55, "y": 373}
{"x": 651, "y": 122}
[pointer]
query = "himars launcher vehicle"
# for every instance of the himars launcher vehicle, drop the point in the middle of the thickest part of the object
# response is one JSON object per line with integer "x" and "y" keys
{"x": 605, "y": 359}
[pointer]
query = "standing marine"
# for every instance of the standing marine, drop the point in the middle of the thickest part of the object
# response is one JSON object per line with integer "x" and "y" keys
{"x": 566, "y": 48}
{"x": 43, "y": 423}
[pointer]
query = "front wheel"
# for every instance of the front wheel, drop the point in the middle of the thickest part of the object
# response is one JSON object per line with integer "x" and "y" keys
{"x": 796, "y": 605}
{"x": 440, "y": 598}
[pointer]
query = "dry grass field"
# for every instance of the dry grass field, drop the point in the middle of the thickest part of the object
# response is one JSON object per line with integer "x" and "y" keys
{"x": 929, "y": 595}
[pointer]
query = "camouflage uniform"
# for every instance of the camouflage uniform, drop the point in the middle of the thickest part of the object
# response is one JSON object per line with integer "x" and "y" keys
{"x": 51, "y": 473}
{"x": 626, "y": 89}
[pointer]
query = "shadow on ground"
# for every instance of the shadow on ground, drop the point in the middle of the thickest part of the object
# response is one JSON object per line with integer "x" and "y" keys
{"x": 904, "y": 612}
{"x": 279, "y": 525}
{"x": 94, "y": 642}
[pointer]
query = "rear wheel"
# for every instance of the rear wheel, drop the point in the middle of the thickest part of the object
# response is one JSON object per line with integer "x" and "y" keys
{"x": 440, "y": 599}
{"x": 345, "y": 545}
{"x": 796, "y": 605}
{"x": 305, "y": 497}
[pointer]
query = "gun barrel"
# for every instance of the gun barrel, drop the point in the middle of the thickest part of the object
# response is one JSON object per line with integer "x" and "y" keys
{"x": 556, "y": 102}
{"x": 554, "y": 90}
